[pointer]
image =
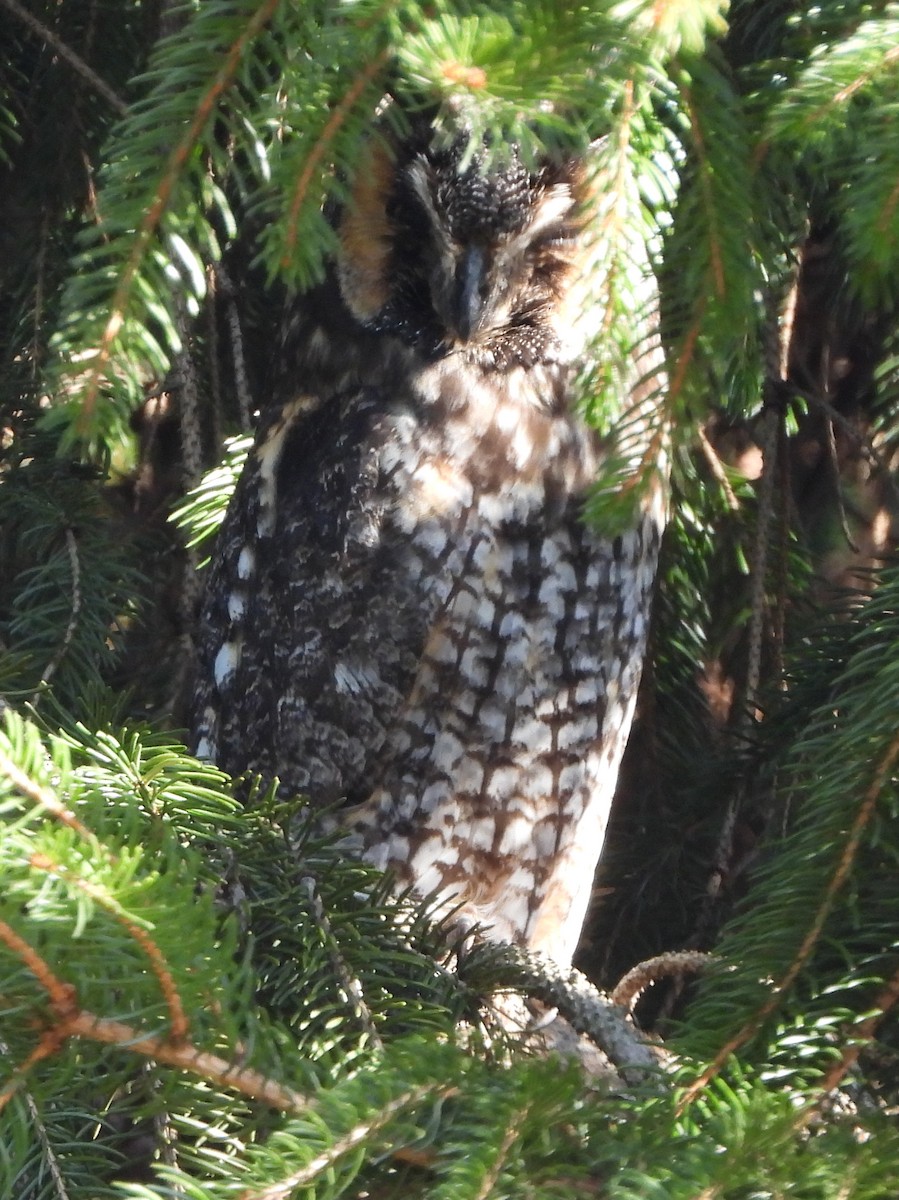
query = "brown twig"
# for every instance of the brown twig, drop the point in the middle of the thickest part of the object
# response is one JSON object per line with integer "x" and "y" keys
{"x": 74, "y": 616}
{"x": 61, "y": 994}
{"x": 837, "y": 879}
{"x": 73, "y": 1021}
{"x": 716, "y": 466}
{"x": 685, "y": 357}
{"x": 862, "y": 443}
{"x": 175, "y": 164}
{"x": 188, "y": 1057}
{"x": 179, "y": 1025}
{"x": 334, "y": 122}
{"x": 42, "y": 796}
{"x": 862, "y": 1034}
{"x": 286, "y": 1187}
{"x": 631, "y": 986}
{"x": 75, "y": 61}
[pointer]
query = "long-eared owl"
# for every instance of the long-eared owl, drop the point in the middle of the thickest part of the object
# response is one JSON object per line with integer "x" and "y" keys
{"x": 407, "y": 614}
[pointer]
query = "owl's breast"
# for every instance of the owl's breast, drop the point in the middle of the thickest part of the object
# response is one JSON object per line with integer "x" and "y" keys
{"x": 504, "y": 752}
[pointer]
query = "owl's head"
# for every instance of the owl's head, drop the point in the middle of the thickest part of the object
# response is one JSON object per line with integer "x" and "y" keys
{"x": 455, "y": 255}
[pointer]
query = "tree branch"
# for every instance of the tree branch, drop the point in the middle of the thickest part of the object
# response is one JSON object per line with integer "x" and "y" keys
{"x": 75, "y": 61}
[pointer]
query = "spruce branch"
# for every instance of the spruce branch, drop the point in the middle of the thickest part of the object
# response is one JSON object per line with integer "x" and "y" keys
{"x": 349, "y": 981}
{"x": 72, "y": 1021}
{"x": 178, "y": 1023}
{"x": 686, "y": 355}
{"x": 356, "y": 1137}
{"x": 49, "y": 1153}
{"x": 706, "y": 172}
{"x": 74, "y": 615}
{"x": 186, "y": 1057}
{"x": 146, "y": 231}
{"x": 65, "y": 51}
{"x": 861, "y": 1036}
{"x": 849, "y": 89}
{"x": 337, "y": 118}
{"x": 511, "y": 1135}
{"x": 43, "y": 797}
{"x": 888, "y": 212}
{"x": 835, "y": 884}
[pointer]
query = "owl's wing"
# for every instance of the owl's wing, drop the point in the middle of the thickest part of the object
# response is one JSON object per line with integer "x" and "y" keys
{"x": 312, "y": 630}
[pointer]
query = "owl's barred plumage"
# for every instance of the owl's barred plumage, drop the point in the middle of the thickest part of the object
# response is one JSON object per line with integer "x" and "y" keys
{"x": 407, "y": 613}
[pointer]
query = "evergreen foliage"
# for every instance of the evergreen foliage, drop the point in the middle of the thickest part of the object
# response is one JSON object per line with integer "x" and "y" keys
{"x": 201, "y": 996}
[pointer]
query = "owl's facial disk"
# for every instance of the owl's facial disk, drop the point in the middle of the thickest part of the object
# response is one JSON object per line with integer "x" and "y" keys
{"x": 488, "y": 245}
{"x": 448, "y": 257}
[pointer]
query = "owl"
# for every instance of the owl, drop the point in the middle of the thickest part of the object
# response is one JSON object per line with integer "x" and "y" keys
{"x": 408, "y": 618}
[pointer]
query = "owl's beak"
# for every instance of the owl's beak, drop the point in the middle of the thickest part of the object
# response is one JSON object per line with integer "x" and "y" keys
{"x": 468, "y": 292}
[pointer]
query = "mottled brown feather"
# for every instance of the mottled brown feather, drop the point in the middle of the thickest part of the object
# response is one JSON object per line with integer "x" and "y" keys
{"x": 407, "y": 613}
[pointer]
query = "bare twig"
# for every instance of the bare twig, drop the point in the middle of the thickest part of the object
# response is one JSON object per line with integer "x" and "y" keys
{"x": 350, "y": 984}
{"x": 286, "y": 1187}
{"x": 75, "y": 61}
{"x": 717, "y": 468}
{"x": 74, "y": 616}
{"x": 862, "y": 443}
{"x": 238, "y": 358}
{"x": 866, "y": 810}
{"x": 631, "y": 986}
